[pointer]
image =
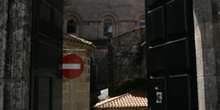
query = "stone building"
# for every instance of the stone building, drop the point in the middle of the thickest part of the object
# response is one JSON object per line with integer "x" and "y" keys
{"x": 127, "y": 58}
{"x": 98, "y": 21}
{"x": 76, "y": 92}
{"x": 16, "y": 25}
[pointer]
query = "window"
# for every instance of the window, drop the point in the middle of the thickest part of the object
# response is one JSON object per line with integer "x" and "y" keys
{"x": 142, "y": 22}
{"x": 71, "y": 26}
{"x": 108, "y": 27}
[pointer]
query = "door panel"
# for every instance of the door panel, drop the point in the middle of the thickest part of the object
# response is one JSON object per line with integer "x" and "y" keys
{"x": 56, "y": 99}
{"x": 171, "y": 56}
{"x": 178, "y": 92}
{"x": 45, "y": 19}
{"x": 158, "y": 59}
{"x": 177, "y": 55}
{"x": 58, "y": 4}
{"x": 48, "y": 56}
{"x": 153, "y": 1}
{"x": 157, "y": 24}
{"x": 43, "y": 98}
{"x": 58, "y": 26}
{"x": 46, "y": 79}
{"x": 158, "y": 93}
{"x": 176, "y": 17}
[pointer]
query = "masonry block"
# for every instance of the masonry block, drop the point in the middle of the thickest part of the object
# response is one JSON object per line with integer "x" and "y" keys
{"x": 211, "y": 95}
{"x": 2, "y": 86}
{"x": 209, "y": 61}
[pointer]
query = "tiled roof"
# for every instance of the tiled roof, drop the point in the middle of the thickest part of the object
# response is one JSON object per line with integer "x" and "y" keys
{"x": 143, "y": 44}
{"x": 77, "y": 39}
{"x": 136, "y": 98}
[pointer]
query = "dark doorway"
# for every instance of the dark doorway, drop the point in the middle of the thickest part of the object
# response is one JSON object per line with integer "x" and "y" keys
{"x": 171, "y": 62}
{"x": 46, "y": 79}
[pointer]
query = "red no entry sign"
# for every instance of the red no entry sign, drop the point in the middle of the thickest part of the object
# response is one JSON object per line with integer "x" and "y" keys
{"x": 73, "y": 66}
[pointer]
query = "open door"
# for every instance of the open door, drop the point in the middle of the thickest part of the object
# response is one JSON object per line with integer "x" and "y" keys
{"x": 171, "y": 61}
{"x": 46, "y": 79}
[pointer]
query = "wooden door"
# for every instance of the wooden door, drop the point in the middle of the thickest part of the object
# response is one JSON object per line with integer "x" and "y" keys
{"x": 171, "y": 62}
{"x": 46, "y": 78}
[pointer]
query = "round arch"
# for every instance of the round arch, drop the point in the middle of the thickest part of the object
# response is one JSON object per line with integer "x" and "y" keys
{"x": 114, "y": 20}
{"x": 108, "y": 14}
{"x": 72, "y": 16}
{"x": 139, "y": 18}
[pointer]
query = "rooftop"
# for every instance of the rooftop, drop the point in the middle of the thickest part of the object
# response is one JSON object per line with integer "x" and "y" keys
{"x": 135, "y": 98}
{"x": 77, "y": 39}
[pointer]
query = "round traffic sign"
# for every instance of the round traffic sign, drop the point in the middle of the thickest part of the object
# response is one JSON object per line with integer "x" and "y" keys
{"x": 73, "y": 66}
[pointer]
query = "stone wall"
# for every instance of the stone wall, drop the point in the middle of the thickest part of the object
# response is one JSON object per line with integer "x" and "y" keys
{"x": 207, "y": 32}
{"x": 76, "y": 92}
{"x": 126, "y": 69}
{"x": 15, "y": 35}
{"x": 90, "y": 14}
{"x": 101, "y": 58}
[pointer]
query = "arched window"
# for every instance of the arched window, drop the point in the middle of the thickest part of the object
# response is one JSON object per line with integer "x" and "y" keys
{"x": 71, "y": 26}
{"x": 108, "y": 27}
{"x": 142, "y": 22}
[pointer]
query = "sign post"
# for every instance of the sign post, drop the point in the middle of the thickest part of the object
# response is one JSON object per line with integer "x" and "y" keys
{"x": 73, "y": 66}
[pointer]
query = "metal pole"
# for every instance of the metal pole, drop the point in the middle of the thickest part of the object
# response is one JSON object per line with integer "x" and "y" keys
{"x": 71, "y": 94}
{"x": 71, "y": 84}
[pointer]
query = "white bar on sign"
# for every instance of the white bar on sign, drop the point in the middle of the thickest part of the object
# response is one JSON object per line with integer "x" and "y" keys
{"x": 71, "y": 66}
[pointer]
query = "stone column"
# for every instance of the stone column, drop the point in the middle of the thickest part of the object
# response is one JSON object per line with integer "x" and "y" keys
{"x": 207, "y": 38}
{"x": 15, "y": 45}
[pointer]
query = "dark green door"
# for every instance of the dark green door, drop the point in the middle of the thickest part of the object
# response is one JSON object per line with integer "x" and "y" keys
{"x": 171, "y": 62}
{"x": 46, "y": 79}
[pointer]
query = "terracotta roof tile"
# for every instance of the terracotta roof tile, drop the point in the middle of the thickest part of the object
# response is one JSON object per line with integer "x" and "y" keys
{"x": 143, "y": 44}
{"x": 77, "y": 39}
{"x": 136, "y": 98}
